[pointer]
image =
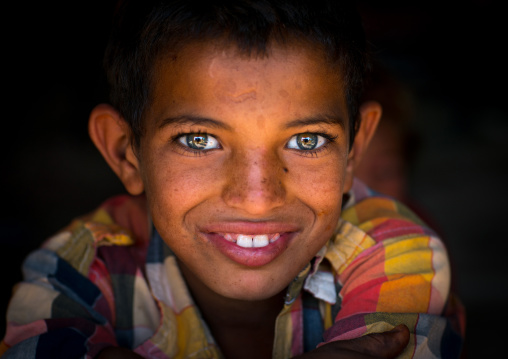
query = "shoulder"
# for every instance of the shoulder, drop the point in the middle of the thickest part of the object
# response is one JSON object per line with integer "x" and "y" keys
{"x": 389, "y": 268}
{"x": 369, "y": 211}
{"x": 380, "y": 235}
{"x": 369, "y": 219}
{"x": 120, "y": 223}
{"x": 83, "y": 283}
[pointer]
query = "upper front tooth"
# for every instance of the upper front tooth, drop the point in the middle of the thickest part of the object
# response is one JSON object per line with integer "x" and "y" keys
{"x": 260, "y": 240}
{"x": 244, "y": 241}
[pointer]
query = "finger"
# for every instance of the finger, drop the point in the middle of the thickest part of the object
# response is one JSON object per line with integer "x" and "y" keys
{"x": 382, "y": 345}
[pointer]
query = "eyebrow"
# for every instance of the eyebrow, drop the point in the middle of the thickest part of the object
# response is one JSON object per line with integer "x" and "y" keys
{"x": 212, "y": 123}
{"x": 194, "y": 120}
{"x": 317, "y": 120}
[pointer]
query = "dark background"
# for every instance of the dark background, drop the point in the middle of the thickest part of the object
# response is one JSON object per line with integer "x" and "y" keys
{"x": 452, "y": 58}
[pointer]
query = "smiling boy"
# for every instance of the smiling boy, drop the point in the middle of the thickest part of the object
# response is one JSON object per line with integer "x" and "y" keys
{"x": 236, "y": 129}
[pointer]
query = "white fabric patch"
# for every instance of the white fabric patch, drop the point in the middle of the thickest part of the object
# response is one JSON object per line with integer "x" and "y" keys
{"x": 322, "y": 286}
{"x": 145, "y": 313}
{"x": 38, "y": 298}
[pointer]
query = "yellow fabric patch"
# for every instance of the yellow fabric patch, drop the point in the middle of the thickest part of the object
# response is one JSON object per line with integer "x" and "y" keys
{"x": 347, "y": 244}
{"x": 411, "y": 255}
{"x": 101, "y": 216}
{"x": 192, "y": 339}
{"x": 404, "y": 294}
{"x": 108, "y": 235}
{"x": 370, "y": 209}
{"x": 165, "y": 338}
{"x": 328, "y": 320}
{"x": 79, "y": 251}
{"x": 283, "y": 333}
{"x": 183, "y": 335}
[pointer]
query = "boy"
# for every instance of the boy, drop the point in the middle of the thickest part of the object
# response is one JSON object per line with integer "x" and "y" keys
{"x": 244, "y": 235}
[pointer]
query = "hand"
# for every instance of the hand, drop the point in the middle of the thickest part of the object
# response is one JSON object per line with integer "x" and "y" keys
{"x": 385, "y": 345}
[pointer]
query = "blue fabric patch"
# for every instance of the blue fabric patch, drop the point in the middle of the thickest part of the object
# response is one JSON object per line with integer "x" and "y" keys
{"x": 123, "y": 290}
{"x": 64, "y": 307}
{"x": 25, "y": 349}
{"x": 312, "y": 322}
{"x": 158, "y": 250}
{"x": 68, "y": 277}
{"x": 451, "y": 343}
{"x": 39, "y": 264}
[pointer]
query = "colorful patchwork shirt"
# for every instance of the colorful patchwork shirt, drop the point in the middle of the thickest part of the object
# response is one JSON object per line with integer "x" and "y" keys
{"x": 110, "y": 280}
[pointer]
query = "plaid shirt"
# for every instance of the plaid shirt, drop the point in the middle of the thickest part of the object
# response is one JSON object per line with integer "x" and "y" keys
{"x": 110, "y": 280}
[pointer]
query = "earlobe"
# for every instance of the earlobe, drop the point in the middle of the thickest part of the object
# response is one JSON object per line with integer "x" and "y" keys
{"x": 370, "y": 114}
{"x": 111, "y": 135}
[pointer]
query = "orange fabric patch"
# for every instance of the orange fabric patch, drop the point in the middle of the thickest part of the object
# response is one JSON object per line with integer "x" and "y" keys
{"x": 404, "y": 294}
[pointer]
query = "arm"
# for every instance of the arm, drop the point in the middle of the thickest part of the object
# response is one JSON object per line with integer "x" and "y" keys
{"x": 401, "y": 275}
{"x": 56, "y": 312}
{"x": 77, "y": 294}
{"x": 380, "y": 345}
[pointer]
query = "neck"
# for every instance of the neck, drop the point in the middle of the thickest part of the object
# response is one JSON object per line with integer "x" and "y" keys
{"x": 213, "y": 305}
{"x": 238, "y": 326}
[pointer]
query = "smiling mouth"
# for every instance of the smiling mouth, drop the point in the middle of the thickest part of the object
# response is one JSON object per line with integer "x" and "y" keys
{"x": 254, "y": 246}
{"x": 251, "y": 240}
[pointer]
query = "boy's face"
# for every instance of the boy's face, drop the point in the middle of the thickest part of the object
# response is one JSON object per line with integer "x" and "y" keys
{"x": 240, "y": 152}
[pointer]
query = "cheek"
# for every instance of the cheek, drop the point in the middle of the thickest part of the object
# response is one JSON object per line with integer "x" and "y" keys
{"x": 320, "y": 187}
{"x": 174, "y": 186}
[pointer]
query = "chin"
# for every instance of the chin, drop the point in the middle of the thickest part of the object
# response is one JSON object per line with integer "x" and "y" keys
{"x": 254, "y": 296}
{"x": 250, "y": 291}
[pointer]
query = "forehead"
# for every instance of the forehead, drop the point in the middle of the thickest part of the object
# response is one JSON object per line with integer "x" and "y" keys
{"x": 206, "y": 76}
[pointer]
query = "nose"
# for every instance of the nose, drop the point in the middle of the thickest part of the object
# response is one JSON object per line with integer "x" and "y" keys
{"x": 255, "y": 182}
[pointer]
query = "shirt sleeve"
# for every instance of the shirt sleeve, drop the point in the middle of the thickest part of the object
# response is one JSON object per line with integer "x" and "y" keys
{"x": 56, "y": 312}
{"x": 391, "y": 271}
{"x": 79, "y": 294}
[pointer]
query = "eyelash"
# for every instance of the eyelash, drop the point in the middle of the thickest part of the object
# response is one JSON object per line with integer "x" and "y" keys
{"x": 314, "y": 153}
{"x": 185, "y": 150}
{"x": 192, "y": 152}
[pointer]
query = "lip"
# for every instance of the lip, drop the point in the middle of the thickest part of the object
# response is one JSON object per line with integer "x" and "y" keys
{"x": 250, "y": 257}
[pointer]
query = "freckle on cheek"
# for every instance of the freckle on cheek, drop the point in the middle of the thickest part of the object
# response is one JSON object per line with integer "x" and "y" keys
{"x": 283, "y": 93}
{"x": 322, "y": 213}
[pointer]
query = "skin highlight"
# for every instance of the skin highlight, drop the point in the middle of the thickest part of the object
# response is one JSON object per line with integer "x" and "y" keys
{"x": 252, "y": 175}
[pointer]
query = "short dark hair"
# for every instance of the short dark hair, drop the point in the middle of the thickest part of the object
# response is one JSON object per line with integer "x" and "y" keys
{"x": 143, "y": 30}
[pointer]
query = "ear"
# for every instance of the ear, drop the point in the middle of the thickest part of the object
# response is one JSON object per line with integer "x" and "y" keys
{"x": 370, "y": 114}
{"x": 112, "y": 137}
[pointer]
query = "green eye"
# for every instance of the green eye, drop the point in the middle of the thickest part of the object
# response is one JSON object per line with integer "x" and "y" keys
{"x": 306, "y": 141}
{"x": 199, "y": 141}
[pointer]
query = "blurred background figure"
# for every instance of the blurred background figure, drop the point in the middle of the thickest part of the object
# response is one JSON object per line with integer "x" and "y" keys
{"x": 386, "y": 164}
